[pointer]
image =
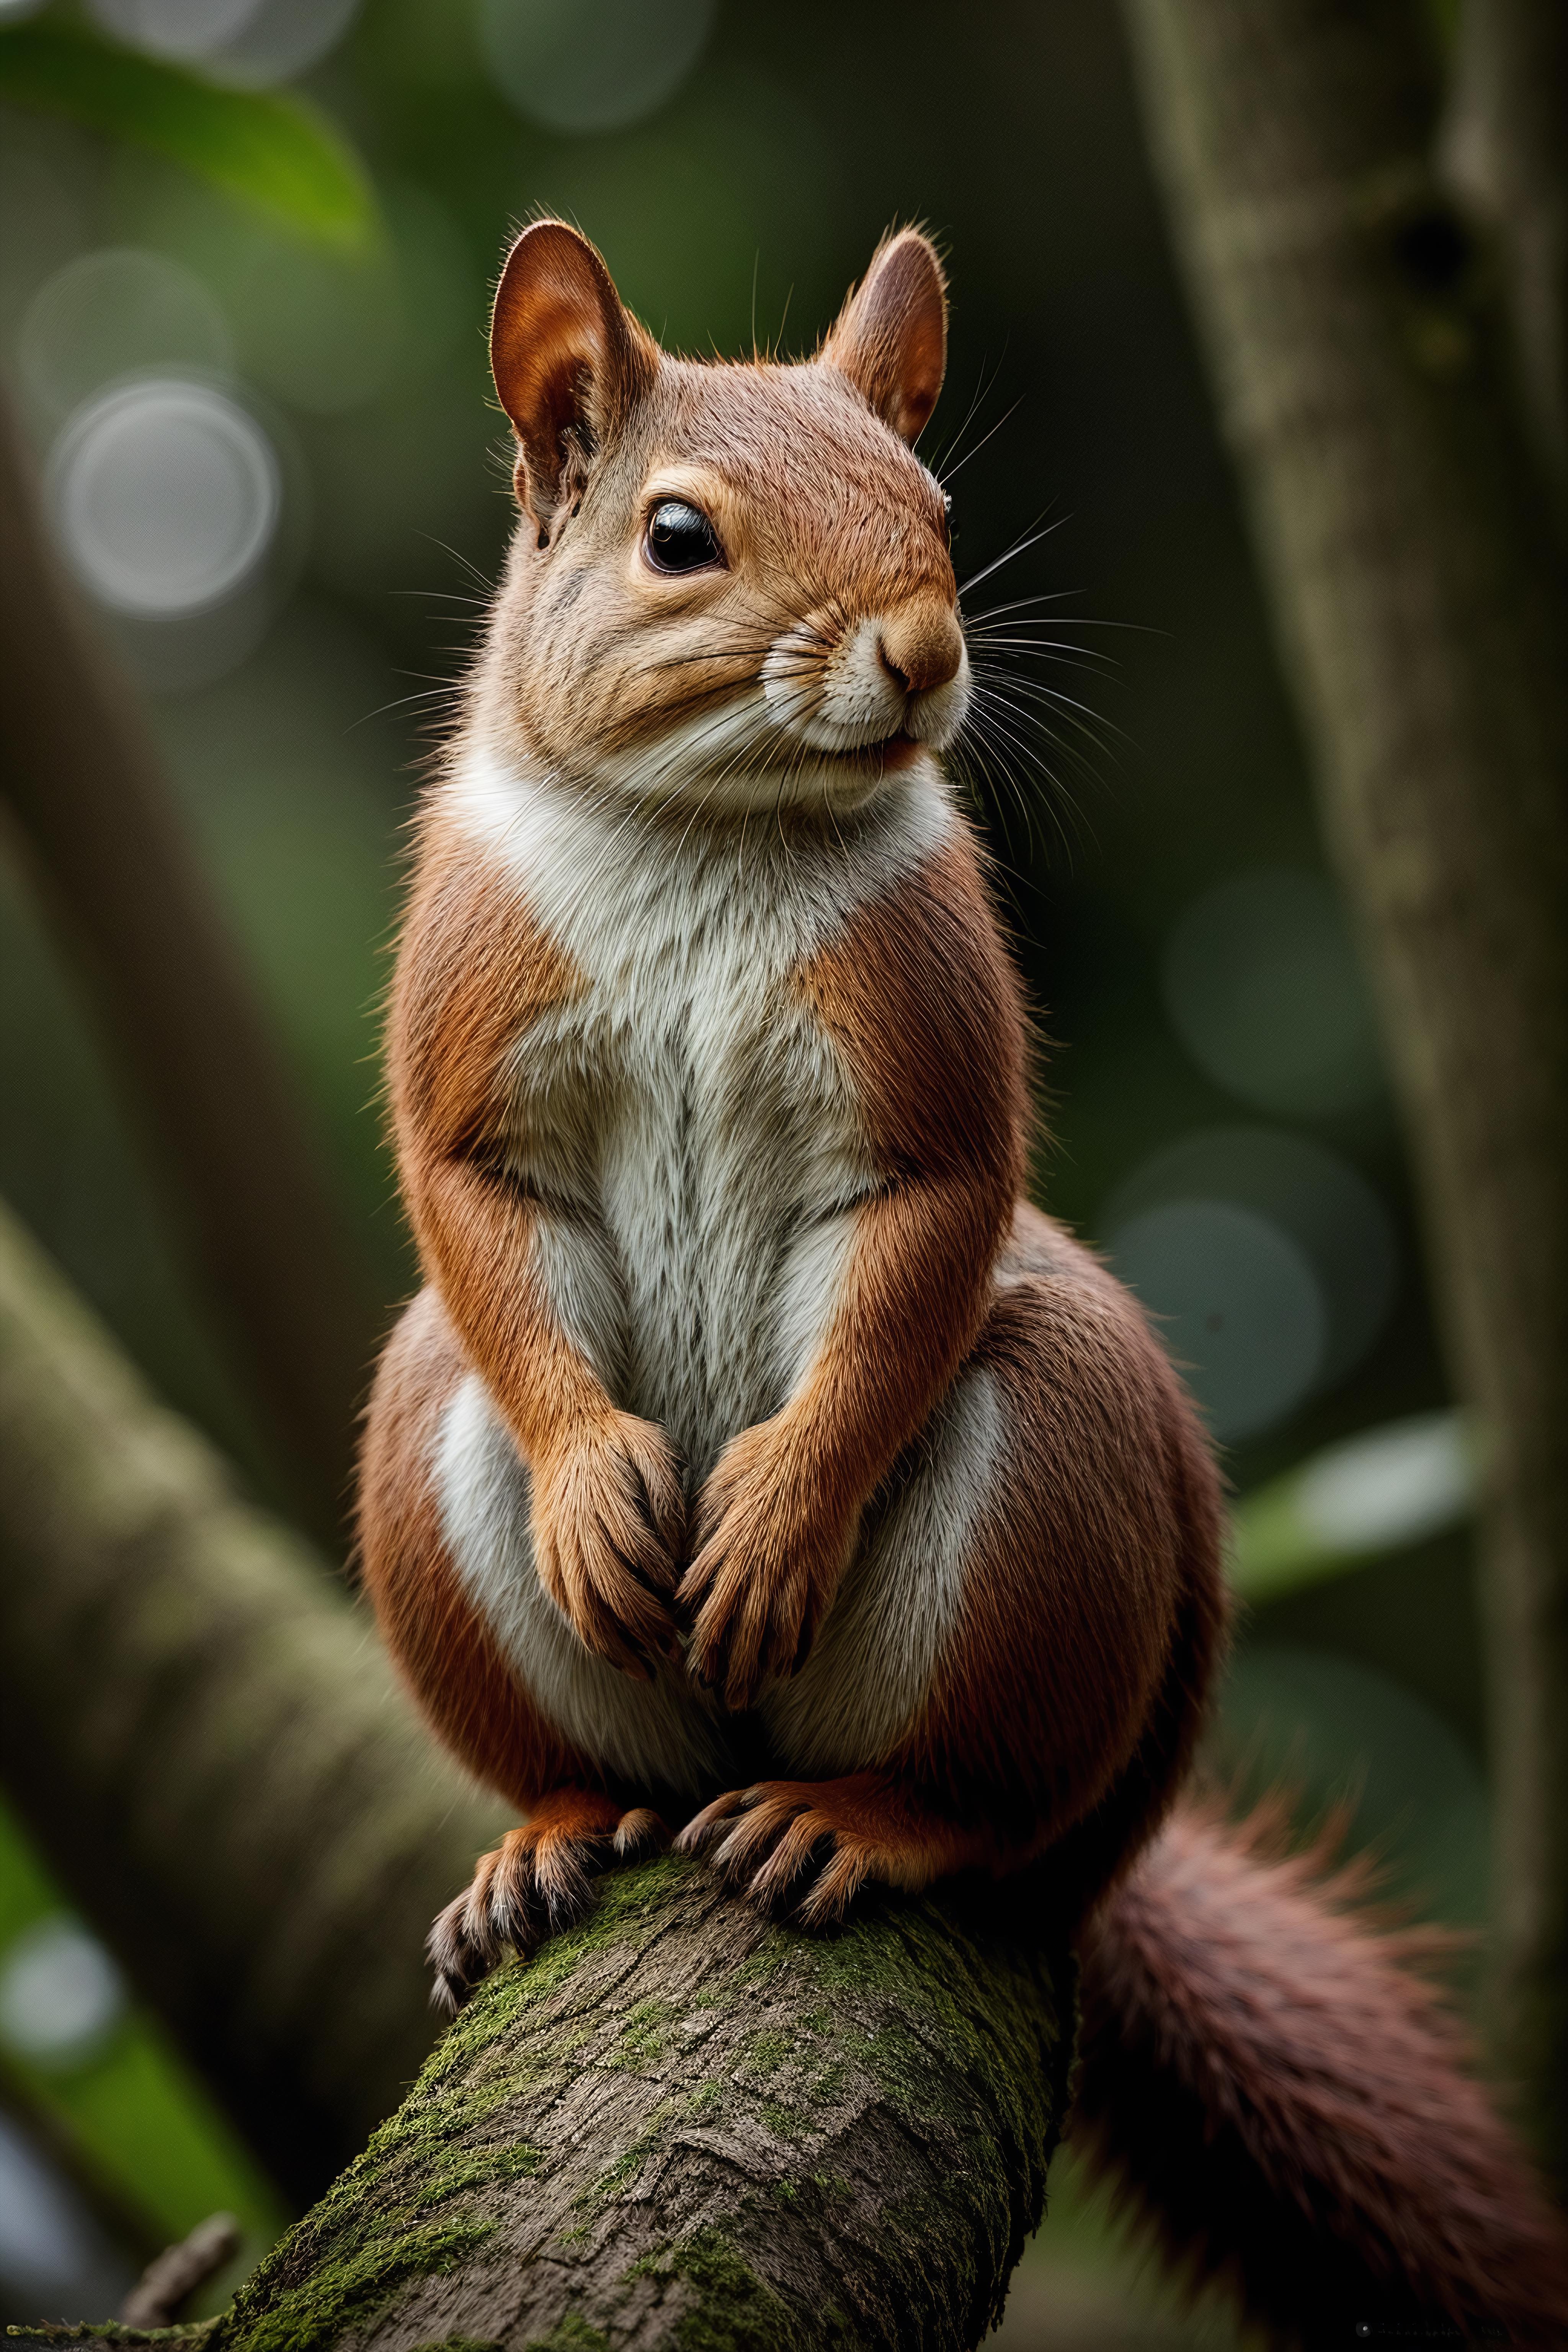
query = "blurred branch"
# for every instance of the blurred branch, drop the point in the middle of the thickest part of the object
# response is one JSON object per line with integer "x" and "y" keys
{"x": 684, "y": 2127}
{"x": 82, "y": 776}
{"x": 264, "y": 146}
{"x": 1418, "y": 601}
{"x": 205, "y": 1741}
{"x": 1505, "y": 148}
{"x": 172, "y": 2277}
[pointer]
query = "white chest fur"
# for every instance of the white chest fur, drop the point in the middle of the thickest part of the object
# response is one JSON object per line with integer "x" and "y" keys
{"x": 690, "y": 1134}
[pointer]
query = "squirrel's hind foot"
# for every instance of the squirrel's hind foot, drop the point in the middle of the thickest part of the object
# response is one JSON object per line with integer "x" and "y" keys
{"x": 538, "y": 1882}
{"x": 804, "y": 1849}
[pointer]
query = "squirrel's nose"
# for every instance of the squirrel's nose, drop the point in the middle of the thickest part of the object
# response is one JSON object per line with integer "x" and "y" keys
{"x": 921, "y": 645}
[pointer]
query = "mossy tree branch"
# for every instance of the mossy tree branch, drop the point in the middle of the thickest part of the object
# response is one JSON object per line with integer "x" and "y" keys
{"x": 680, "y": 2126}
{"x": 1403, "y": 526}
{"x": 203, "y": 1735}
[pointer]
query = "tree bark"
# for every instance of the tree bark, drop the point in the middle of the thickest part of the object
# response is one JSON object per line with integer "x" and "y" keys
{"x": 84, "y": 781}
{"x": 1505, "y": 149}
{"x": 1414, "y": 578}
{"x": 207, "y": 1740}
{"x": 680, "y": 2126}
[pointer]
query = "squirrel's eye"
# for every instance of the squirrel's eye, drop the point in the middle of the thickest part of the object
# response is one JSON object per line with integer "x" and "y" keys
{"x": 681, "y": 538}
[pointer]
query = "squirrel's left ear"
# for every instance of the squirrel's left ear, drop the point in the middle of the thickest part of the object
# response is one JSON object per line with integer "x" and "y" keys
{"x": 569, "y": 361}
{"x": 891, "y": 338}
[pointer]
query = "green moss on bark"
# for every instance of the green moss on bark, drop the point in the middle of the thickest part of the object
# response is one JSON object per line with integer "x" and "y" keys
{"x": 195, "y": 2334}
{"x": 732, "y": 2309}
{"x": 682, "y": 2125}
{"x": 570, "y": 2335}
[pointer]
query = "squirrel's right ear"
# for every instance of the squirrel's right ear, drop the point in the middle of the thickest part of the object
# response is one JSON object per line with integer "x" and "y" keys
{"x": 891, "y": 338}
{"x": 568, "y": 360}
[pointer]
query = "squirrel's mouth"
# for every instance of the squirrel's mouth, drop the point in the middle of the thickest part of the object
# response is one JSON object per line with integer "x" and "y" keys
{"x": 891, "y": 751}
{"x": 881, "y": 752}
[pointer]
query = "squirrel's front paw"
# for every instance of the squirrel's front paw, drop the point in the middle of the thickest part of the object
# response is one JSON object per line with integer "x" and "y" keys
{"x": 609, "y": 1526}
{"x": 765, "y": 1568}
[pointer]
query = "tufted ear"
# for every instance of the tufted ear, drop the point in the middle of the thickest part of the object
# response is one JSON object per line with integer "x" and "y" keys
{"x": 891, "y": 338}
{"x": 569, "y": 361}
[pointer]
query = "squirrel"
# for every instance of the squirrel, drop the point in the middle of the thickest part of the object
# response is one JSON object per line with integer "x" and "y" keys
{"x": 758, "y": 1465}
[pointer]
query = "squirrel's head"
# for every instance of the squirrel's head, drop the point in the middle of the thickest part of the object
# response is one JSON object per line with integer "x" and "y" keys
{"x": 731, "y": 582}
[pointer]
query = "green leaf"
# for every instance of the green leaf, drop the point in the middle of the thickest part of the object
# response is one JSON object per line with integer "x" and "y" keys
{"x": 271, "y": 150}
{"x": 1377, "y": 1493}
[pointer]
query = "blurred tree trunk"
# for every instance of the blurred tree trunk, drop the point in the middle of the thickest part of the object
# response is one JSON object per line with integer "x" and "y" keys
{"x": 208, "y": 1744}
{"x": 1405, "y": 534}
{"x": 82, "y": 777}
{"x": 1505, "y": 148}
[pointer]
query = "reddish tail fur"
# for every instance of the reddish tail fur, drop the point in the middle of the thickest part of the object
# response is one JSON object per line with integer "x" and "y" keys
{"x": 1267, "y": 2075}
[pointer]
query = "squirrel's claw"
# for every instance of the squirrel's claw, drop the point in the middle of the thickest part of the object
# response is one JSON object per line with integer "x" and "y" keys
{"x": 747, "y": 1628}
{"x": 536, "y": 1883}
{"x": 780, "y": 1850}
{"x": 766, "y": 1568}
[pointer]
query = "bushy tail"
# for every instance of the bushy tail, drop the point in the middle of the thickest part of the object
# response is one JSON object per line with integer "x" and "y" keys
{"x": 1272, "y": 2079}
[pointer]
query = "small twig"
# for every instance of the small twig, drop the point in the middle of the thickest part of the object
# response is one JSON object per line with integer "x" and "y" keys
{"x": 172, "y": 2277}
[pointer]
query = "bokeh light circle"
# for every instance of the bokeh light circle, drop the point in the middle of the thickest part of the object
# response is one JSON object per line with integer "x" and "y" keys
{"x": 1239, "y": 1305}
{"x": 1262, "y": 987}
{"x": 119, "y": 311}
{"x": 281, "y": 38}
{"x": 1313, "y": 1195}
{"x": 591, "y": 65}
{"x": 167, "y": 495}
{"x": 251, "y": 42}
{"x": 175, "y": 29}
{"x": 60, "y": 1993}
{"x": 52, "y": 2252}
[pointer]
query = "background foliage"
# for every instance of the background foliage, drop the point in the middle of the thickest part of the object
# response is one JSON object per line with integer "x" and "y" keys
{"x": 319, "y": 250}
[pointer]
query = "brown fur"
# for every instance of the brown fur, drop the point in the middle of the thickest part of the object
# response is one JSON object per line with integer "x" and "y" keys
{"x": 556, "y": 322}
{"x": 473, "y": 974}
{"x": 1072, "y": 1695}
{"x": 1074, "y": 1611}
{"x": 814, "y": 1844}
{"x": 1276, "y": 2087}
{"x": 539, "y": 1879}
{"x": 1267, "y": 2069}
